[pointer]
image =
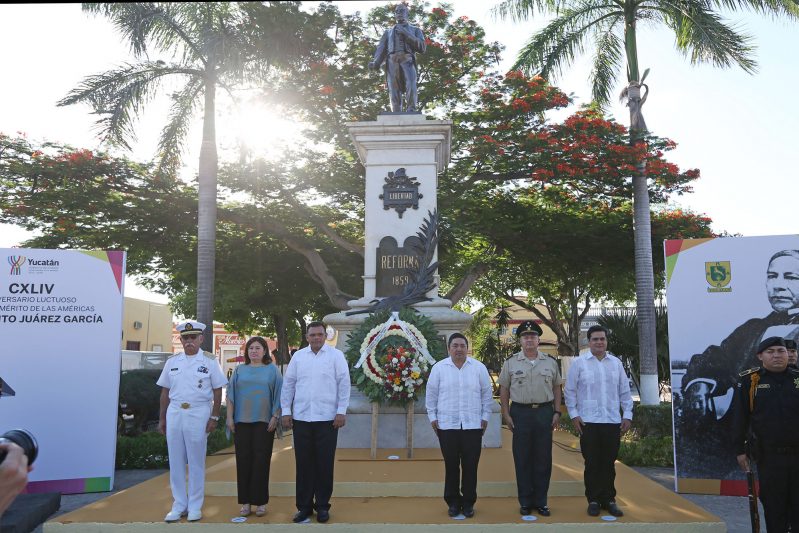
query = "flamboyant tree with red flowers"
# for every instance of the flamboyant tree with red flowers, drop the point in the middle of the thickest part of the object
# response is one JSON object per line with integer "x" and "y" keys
{"x": 529, "y": 205}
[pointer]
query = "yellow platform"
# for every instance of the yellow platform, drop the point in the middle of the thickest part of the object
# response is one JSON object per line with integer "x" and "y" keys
{"x": 401, "y": 495}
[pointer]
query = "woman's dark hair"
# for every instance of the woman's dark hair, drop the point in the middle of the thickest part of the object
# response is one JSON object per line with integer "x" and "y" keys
{"x": 266, "y": 359}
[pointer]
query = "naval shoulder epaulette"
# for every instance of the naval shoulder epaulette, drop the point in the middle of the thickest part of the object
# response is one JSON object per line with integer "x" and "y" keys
{"x": 750, "y": 371}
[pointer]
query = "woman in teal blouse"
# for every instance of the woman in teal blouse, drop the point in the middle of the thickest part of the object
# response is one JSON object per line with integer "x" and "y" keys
{"x": 253, "y": 411}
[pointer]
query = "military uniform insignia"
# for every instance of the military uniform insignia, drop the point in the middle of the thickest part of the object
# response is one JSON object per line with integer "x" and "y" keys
{"x": 764, "y": 386}
{"x": 203, "y": 370}
{"x": 796, "y": 383}
{"x": 750, "y": 371}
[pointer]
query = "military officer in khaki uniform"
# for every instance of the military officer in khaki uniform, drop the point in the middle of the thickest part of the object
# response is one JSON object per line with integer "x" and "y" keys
{"x": 531, "y": 381}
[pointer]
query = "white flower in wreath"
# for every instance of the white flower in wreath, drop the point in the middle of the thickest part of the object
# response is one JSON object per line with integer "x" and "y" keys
{"x": 396, "y": 331}
{"x": 372, "y": 354}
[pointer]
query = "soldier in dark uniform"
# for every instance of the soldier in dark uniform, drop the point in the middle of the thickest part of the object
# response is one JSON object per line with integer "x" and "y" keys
{"x": 790, "y": 345}
{"x": 767, "y": 413}
{"x": 531, "y": 380}
{"x": 398, "y": 48}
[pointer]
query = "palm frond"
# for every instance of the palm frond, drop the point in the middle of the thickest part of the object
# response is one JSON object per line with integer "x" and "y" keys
{"x": 519, "y": 10}
{"x": 607, "y": 60}
{"x": 703, "y": 36}
{"x": 557, "y": 45}
{"x": 775, "y": 8}
{"x": 191, "y": 31}
{"x": 173, "y": 136}
{"x": 119, "y": 96}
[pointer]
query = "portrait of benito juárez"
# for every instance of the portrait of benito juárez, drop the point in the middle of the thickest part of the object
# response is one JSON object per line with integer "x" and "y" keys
{"x": 703, "y": 432}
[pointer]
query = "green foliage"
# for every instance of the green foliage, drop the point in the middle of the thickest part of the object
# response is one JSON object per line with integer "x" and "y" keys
{"x": 623, "y": 341}
{"x": 652, "y": 420}
{"x": 647, "y": 451}
{"x": 610, "y": 30}
{"x": 148, "y": 450}
{"x": 145, "y": 451}
{"x": 374, "y": 391}
{"x": 648, "y": 443}
{"x": 524, "y": 199}
{"x": 486, "y": 341}
{"x": 140, "y": 396}
{"x": 649, "y": 421}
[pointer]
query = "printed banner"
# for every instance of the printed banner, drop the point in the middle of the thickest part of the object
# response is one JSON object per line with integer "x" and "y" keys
{"x": 724, "y": 296}
{"x": 61, "y": 325}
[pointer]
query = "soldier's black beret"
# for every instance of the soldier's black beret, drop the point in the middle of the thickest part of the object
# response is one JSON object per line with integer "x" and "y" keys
{"x": 768, "y": 343}
{"x": 528, "y": 326}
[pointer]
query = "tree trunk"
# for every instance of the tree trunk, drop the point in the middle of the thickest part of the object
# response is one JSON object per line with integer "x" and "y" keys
{"x": 460, "y": 289}
{"x": 315, "y": 265}
{"x": 303, "y": 328}
{"x": 281, "y": 330}
{"x": 645, "y": 291}
{"x": 642, "y": 229}
{"x": 206, "y": 214}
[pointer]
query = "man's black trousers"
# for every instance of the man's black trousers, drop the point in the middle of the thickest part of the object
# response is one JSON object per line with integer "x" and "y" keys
{"x": 779, "y": 491}
{"x": 314, "y": 453}
{"x": 461, "y": 450}
{"x": 599, "y": 444}
{"x": 532, "y": 453}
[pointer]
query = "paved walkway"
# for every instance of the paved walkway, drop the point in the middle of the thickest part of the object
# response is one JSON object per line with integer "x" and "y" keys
{"x": 734, "y": 510}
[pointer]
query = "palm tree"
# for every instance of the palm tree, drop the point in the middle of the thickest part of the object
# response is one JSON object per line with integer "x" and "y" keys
{"x": 700, "y": 33}
{"x": 209, "y": 51}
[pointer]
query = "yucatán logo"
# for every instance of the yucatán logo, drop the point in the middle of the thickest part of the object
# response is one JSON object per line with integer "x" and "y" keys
{"x": 16, "y": 262}
{"x": 718, "y": 275}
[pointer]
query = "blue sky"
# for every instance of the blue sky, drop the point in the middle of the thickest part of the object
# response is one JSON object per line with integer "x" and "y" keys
{"x": 738, "y": 129}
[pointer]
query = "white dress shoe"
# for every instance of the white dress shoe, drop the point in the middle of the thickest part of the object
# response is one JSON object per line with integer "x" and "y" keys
{"x": 195, "y": 515}
{"x": 173, "y": 516}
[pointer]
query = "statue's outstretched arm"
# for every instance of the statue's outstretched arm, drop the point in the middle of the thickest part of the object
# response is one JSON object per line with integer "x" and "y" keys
{"x": 380, "y": 53}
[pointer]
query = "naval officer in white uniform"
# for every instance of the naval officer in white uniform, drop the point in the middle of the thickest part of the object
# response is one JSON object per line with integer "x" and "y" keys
{"x": 190, "y": 380}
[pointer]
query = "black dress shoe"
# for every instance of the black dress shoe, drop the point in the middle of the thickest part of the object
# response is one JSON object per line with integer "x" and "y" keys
{"x": 543, "y": 510}
{"x": 300, "y": 516}
{"x": 614, "y": 509}
{"x": 468, "y": 511}
{"x": 524, "y": 511}
{"x": 593, "y": 509}
{"x": 322, "y": 516}
{"x": 454, "y": 510}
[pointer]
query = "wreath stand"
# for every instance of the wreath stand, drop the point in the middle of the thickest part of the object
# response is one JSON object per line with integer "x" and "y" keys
{"x": 408, "y": 429}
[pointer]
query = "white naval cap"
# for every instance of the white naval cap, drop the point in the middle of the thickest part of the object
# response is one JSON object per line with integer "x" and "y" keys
{"x": 190, "y": 327}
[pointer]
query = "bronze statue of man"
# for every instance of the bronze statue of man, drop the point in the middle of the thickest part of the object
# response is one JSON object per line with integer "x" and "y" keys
{"x": 398, "y": 48}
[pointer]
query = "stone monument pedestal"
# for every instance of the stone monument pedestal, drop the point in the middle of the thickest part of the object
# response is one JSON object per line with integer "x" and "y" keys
{"x": 402, "y": 154}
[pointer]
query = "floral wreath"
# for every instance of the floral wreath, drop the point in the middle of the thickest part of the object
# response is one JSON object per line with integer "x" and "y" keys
{"x": 394, "y": 369}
